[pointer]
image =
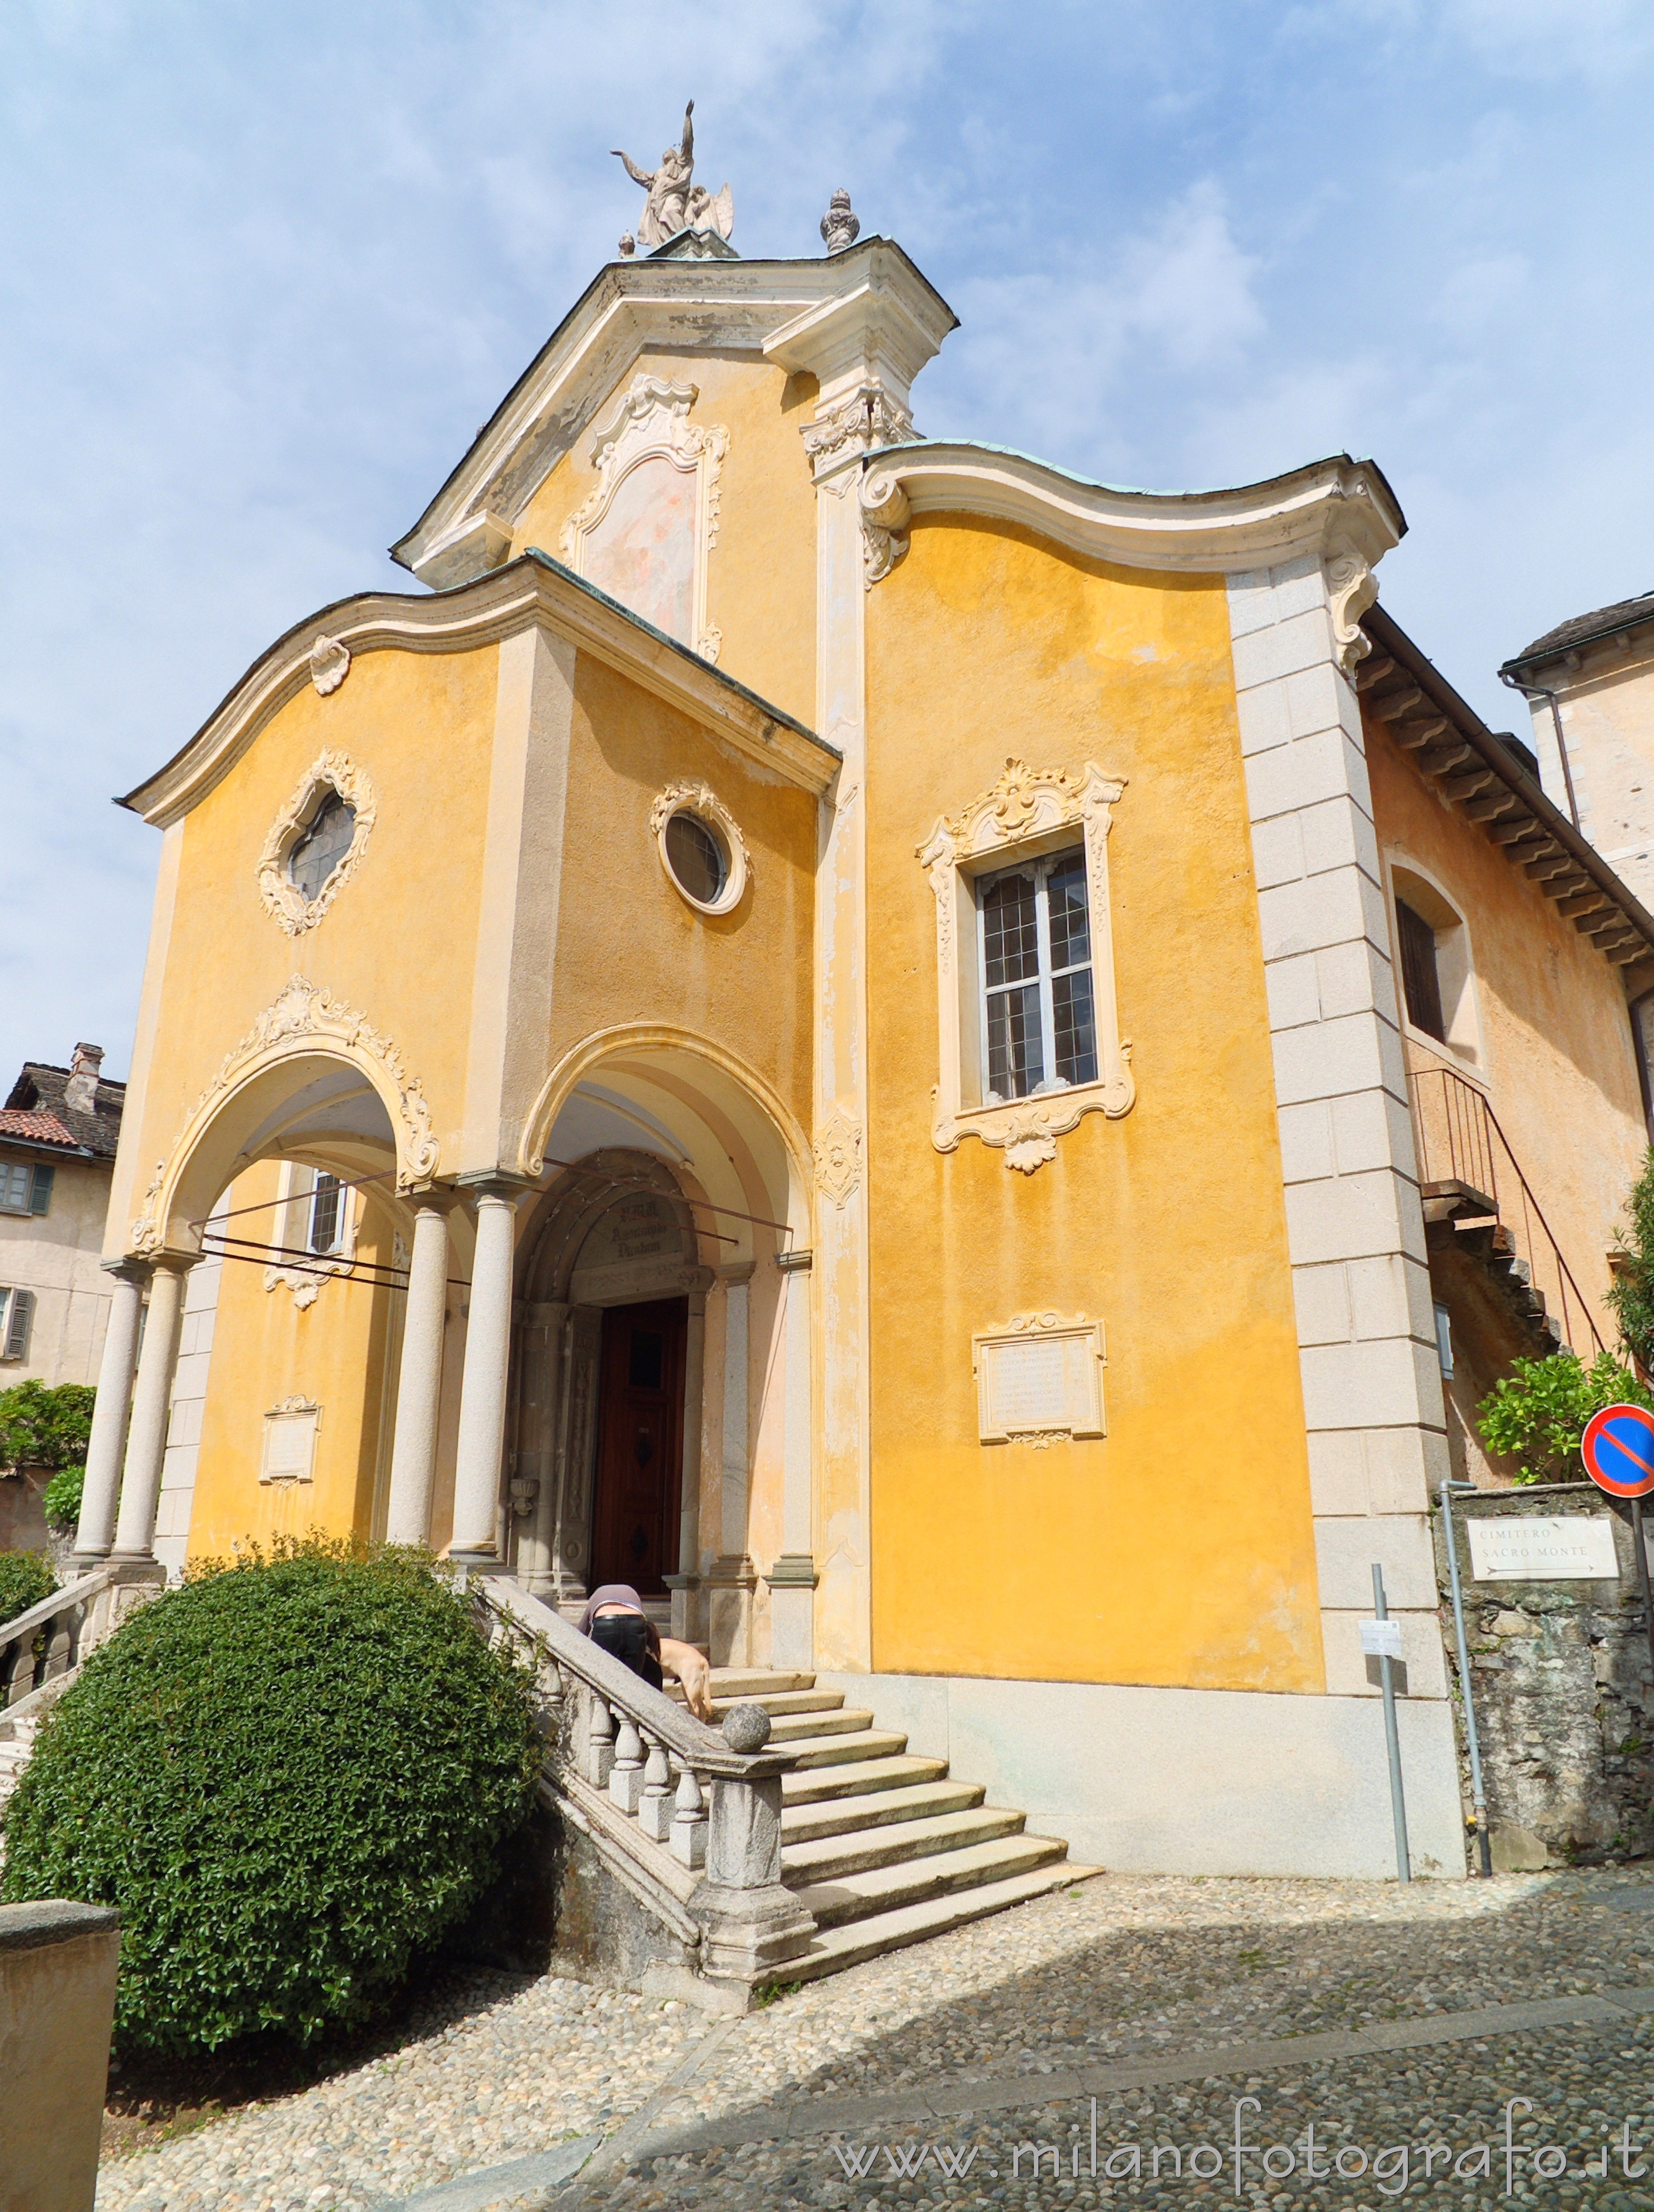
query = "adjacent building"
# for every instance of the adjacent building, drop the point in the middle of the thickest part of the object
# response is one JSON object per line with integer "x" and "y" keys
{"x": 959, "y": 1073}
{"x": 58, "y": 1132}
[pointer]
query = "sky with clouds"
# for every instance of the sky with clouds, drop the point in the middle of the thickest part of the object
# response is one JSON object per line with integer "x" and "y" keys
{"x": 263, "y": 270}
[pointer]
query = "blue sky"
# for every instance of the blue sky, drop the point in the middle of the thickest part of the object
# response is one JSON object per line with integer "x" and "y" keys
{"x": 265, "y": 269}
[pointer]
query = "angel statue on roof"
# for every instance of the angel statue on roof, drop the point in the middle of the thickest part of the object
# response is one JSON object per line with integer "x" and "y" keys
{"x": 674, "y": 202}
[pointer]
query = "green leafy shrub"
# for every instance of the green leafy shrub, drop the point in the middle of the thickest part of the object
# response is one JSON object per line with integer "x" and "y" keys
{"x": 60, "y": 1500}
{"x": 1537, "y": 1415}
{"x": 292, "y": 1775}
{"x": 41, "y": 1425}
{"x": 1632, "y": 1292}
{"x": 25, "y": 1578}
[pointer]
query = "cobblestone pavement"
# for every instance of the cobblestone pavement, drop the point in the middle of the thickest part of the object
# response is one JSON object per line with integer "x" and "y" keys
{"x": 945, "y": 2074}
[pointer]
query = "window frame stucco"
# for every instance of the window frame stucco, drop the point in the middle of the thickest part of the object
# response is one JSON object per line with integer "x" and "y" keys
{"x": 1026, "y": 814}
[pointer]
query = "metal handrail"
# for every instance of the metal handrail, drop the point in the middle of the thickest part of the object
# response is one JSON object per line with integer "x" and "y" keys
{"x": 1463, "y": 1101}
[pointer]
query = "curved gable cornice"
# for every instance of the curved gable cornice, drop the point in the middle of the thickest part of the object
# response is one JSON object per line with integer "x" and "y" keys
{"x": 532, "y": 589}
{"x": 1331, "y": 508}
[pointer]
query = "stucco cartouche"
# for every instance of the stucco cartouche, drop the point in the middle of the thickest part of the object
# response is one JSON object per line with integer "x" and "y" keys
{"x": 761, "y": 577}
{"x": 1177, "y": 1549}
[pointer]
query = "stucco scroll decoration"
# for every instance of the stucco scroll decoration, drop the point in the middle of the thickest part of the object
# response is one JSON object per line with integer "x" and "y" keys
{"x": 302, "y": 1012}
{"x": 838, "y": 1157}
{"x": 1027, "y": 807}
{"x": 651, "y": 423}
{"x": 283, "y": 900}
{"x": 885, "y": 515}
{"x": 330, "y": 664}
{"x": 1351, "y": 588}
{"x": 869, "y": 418}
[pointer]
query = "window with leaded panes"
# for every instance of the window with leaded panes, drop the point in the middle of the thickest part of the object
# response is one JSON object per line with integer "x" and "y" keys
{"x": 1038, "y": 1028}
{"x": 327, "y": 1214}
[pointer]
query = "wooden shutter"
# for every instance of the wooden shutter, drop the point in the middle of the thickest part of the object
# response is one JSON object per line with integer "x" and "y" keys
{"x": 18, "y": 1314}
{"x": 1421, "y": 985}
{"x": 39, "y": 1191}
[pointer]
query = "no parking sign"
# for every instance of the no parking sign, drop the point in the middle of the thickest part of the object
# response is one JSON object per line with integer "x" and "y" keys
{"x": 1618, "y": 1450}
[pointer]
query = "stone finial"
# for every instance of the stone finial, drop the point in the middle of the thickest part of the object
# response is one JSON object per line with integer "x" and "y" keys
{"x": 746, "y": 1727}
{"x": 840, "y": 226}
{"x": 628, "y": 246}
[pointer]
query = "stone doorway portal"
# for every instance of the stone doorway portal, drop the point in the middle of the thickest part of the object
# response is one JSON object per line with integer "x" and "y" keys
{"x": 640, "y": 1445}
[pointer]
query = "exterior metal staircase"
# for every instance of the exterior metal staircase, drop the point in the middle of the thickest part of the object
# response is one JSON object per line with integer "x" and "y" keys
{"x": 880, "y": 1847}
{"x": 1480, "y": 1210}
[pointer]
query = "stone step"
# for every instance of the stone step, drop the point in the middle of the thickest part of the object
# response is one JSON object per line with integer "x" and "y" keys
{"x": 834, "y": 1750}
{"x": 843, "y": 1816}
{"x": 803, "y": 1728}
{"x": 811, "y": 1784}
{"x": 777, "y": 1702}
{"x": 832, "y": 1858}
{"x": 832, "y": 1949}
{"x": 755, "y": 1682}
{"x": 879, "y": 1891}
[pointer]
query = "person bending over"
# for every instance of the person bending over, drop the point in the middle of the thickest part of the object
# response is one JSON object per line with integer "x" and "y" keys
{"x": 615, "y": 1619}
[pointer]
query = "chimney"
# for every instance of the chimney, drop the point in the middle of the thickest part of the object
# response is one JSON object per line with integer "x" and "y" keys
{"x": 80, "y": 1091}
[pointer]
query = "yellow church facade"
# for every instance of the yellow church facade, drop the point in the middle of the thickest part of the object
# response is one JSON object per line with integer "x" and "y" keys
{"x": 750, "y": 1038}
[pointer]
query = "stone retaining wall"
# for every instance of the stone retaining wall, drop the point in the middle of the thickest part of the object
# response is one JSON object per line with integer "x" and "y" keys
{"x": 1563, "y": 1698}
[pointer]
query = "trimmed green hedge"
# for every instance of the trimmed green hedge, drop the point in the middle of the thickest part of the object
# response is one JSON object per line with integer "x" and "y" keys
{"x": 25, "y": 1578}
{"x": 291, "y": 1775}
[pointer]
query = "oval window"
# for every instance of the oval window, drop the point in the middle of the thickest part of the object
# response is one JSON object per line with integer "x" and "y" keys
{"x": 323, "y": 846}
{"x": 697, "y": 858}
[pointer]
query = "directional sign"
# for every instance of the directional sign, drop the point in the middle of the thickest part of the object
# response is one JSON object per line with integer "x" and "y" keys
{"x": 1618, "y": 1450}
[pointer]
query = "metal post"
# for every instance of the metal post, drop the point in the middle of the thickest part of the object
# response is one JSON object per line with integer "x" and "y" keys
{"x": 1392, "y": 1740}
{"x": 1478, "y": 1794}
{"x": 1642, "y": 1574}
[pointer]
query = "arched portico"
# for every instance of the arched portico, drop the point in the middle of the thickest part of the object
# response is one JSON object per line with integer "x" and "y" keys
{"x": 307, "y": 1088}
{"x": 670, "y": 1179}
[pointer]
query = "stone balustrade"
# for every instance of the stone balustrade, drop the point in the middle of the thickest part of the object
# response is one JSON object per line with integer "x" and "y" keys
{"x": 694, "y": 1811}
{"x": 51, "y": 1637}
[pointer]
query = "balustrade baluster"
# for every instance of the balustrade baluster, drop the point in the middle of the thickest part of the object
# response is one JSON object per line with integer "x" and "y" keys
{"x": 689, "y": 1822}
{"x": 17, "y": 1658}
{"x": 626, "y": 1775}
{"x": 601, "y": 1743}
{"x": 654, "y": 1813}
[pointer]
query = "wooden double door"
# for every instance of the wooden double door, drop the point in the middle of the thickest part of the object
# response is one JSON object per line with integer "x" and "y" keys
{"x": 640, "y": 1445}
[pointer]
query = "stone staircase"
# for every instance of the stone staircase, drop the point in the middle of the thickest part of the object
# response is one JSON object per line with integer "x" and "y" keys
{"x": 879, "y": 1845}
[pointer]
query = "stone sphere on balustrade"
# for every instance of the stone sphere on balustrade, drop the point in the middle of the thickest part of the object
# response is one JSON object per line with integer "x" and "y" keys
{"x": 746, "y": 1727}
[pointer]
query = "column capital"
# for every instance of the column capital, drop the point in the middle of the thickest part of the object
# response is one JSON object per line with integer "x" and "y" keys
{"x": 132, "y": 1268}
{"x": 499, "y": 1184}
{"x": 432, "y": 1198}
{"x": 736, "y": 1272}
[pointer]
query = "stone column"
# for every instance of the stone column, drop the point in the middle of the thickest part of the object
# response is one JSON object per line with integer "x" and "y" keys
{"x": 482, "y": 1386}
{"x": 146, "y": 1439}
{"x": 96, "y": 1532}
{"x": 419, "y": 1381}
{"x": 732, "y": 1578}
{"x": 792, "y": 1577}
